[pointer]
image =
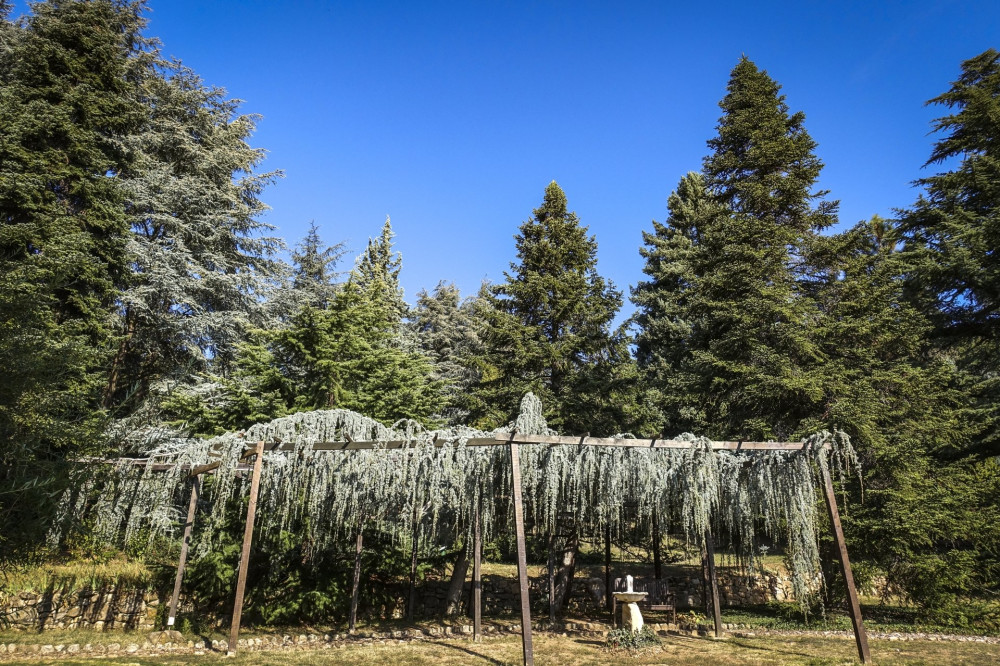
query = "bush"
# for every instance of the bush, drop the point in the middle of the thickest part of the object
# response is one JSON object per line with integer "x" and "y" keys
{"x": 626, "y": 639}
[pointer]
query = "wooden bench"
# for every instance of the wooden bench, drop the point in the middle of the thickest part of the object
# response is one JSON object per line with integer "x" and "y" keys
{"x": 658, "y": 597}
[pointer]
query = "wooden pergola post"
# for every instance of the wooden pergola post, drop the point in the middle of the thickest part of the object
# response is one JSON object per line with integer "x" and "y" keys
{"x": 477, "y": 575}
{"x": 657, "y": 557}
{"x": 607, "y": 575}
{"x": 241, "y": 578}
{"x": 415, "y": 536}
{"x": 185, "y": 544}
{"x": 522, "y": 557}
{"x": 860, "y": 635}
{"x": 352, "y": 619}
{"x": 713, "y": 581}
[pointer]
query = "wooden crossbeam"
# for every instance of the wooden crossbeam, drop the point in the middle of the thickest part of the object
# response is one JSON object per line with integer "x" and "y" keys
{"x": 500, "y": 439}
{"x": 654, "y": 443}
{"x": 555, "y": 440}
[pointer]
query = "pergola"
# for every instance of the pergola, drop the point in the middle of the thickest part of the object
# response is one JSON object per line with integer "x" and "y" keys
{"x": 512, "y": 441}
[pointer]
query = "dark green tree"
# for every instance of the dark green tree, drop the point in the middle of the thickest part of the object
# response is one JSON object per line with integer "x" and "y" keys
{"x": 663, "y": 316}
{"x": 548, "y": 327}
{"x": 952, "y": 232}
{"x": 314, "y": 275}
{"x": 67, "y": 112}
{"x": 377, "y": 273}
{"x": 752, "y": 345}
{"x": 923, "y": 523}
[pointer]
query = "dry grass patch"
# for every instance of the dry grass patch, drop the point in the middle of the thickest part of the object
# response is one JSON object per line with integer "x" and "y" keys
{"x": 553, "y": 649}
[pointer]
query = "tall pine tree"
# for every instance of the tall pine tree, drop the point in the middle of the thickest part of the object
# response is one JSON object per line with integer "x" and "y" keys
{"x": 548, "y": 327}
{"x": 751, "y": 345}
{"x": 952, "y": 232}
{"x": 67, "y": 112}
{"x": 663, "y": 344}
{"x": 201, "y": 260}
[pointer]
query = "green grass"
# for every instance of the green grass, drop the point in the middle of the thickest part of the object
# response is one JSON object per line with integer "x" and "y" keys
{"x": 76, "y": 575}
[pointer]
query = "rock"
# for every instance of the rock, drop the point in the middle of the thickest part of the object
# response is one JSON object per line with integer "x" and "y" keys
{"x": 132, "y": 648}
{"x": 47, "y": 649}
{"x": 170, "y": 636}
{"x": 631, "y": 617}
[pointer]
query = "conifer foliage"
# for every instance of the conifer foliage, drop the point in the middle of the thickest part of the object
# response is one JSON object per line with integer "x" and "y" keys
{"x": 729, "y": 268}
{"x": 548, "y": 325}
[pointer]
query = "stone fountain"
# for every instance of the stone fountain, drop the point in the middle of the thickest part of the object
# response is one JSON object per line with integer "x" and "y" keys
{"x": 631, "y": 617}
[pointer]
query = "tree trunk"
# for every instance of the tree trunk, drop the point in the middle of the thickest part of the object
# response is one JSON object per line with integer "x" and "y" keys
{"x": 412, "y": 597}
{"x": 458, "y": 574}
{"x": 119, "y": 361}
{"x": 567, "y": 569}
{"x": 607, "y": 571}
{"x": 552, "y": 578}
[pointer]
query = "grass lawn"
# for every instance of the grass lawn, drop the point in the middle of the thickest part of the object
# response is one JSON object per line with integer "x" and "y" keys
{"x": 553, "y": 649}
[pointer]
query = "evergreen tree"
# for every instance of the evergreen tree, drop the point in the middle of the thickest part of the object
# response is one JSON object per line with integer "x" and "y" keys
{"x": 663, "y": 344}
{"x": 349, "y": 355}
{"x": 314, "y": 263}
{"x": 548, "y": 327}
{"x": 447, "y": 332}
{"x": 951, "y": 234}
{"x": 67, "y": 111}
{"x": 931, "y": 533}
{"x": 200, "y": 264}
{"x": 377, "y": 273}
{"x": 751, "y": 345}
{"x": 953, "y": 228}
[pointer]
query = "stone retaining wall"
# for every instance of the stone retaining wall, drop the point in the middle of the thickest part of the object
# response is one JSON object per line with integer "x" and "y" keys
{"x": 130, "y": 608}
{"x": 106, "y": 608}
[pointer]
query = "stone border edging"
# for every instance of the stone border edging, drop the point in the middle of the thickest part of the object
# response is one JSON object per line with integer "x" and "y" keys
{"x": 313, "y": 641}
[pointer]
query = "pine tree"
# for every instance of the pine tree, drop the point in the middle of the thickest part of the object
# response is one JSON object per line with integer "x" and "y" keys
{"x": 921, "y": 523}
{"x": 953, "y": 228}
{"x": 751, "y": 345}
{"x": 548, "y": 326}
{"x": 447, "y": 331}
{"x": 314, "y": 263}
{"x": 67, "y": 112}
{"x": 951, "y": 234}
{"x": 353, "y": 354}
{"x": 663, "y": 344}
{"x": 377, "y": 273}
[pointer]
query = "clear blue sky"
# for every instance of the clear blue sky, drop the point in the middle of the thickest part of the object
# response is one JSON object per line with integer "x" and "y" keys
{"x": 452, "y": 117}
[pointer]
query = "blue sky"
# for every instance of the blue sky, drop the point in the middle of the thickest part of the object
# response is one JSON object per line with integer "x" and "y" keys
{"x": 452, "y": 117}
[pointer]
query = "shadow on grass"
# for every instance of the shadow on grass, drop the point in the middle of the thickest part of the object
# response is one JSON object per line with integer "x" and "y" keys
{"x": 772, "y": 648}
{"x": 459, "y": 648}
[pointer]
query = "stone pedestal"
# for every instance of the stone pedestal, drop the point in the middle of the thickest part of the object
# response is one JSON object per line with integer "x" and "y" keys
{"x": 631, "y": 617}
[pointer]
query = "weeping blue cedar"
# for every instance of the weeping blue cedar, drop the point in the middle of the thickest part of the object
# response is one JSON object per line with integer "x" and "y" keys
{"x": 321, "y": 495}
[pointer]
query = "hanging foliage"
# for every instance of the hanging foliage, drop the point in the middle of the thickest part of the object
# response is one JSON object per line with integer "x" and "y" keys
{"x": 437, "y": 479}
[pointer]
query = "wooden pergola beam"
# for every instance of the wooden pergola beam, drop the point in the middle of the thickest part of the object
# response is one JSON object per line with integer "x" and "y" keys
{"x": 502, "y": 439}
{"x": 512, "y": 440}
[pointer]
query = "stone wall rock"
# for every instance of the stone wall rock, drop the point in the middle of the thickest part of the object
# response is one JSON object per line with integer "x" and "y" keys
{"x": 129, "y": 608}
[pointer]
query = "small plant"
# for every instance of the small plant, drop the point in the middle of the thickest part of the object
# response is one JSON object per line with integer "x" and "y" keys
{"x": 691, "y": 618}
{"x": 626, "y": 639}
